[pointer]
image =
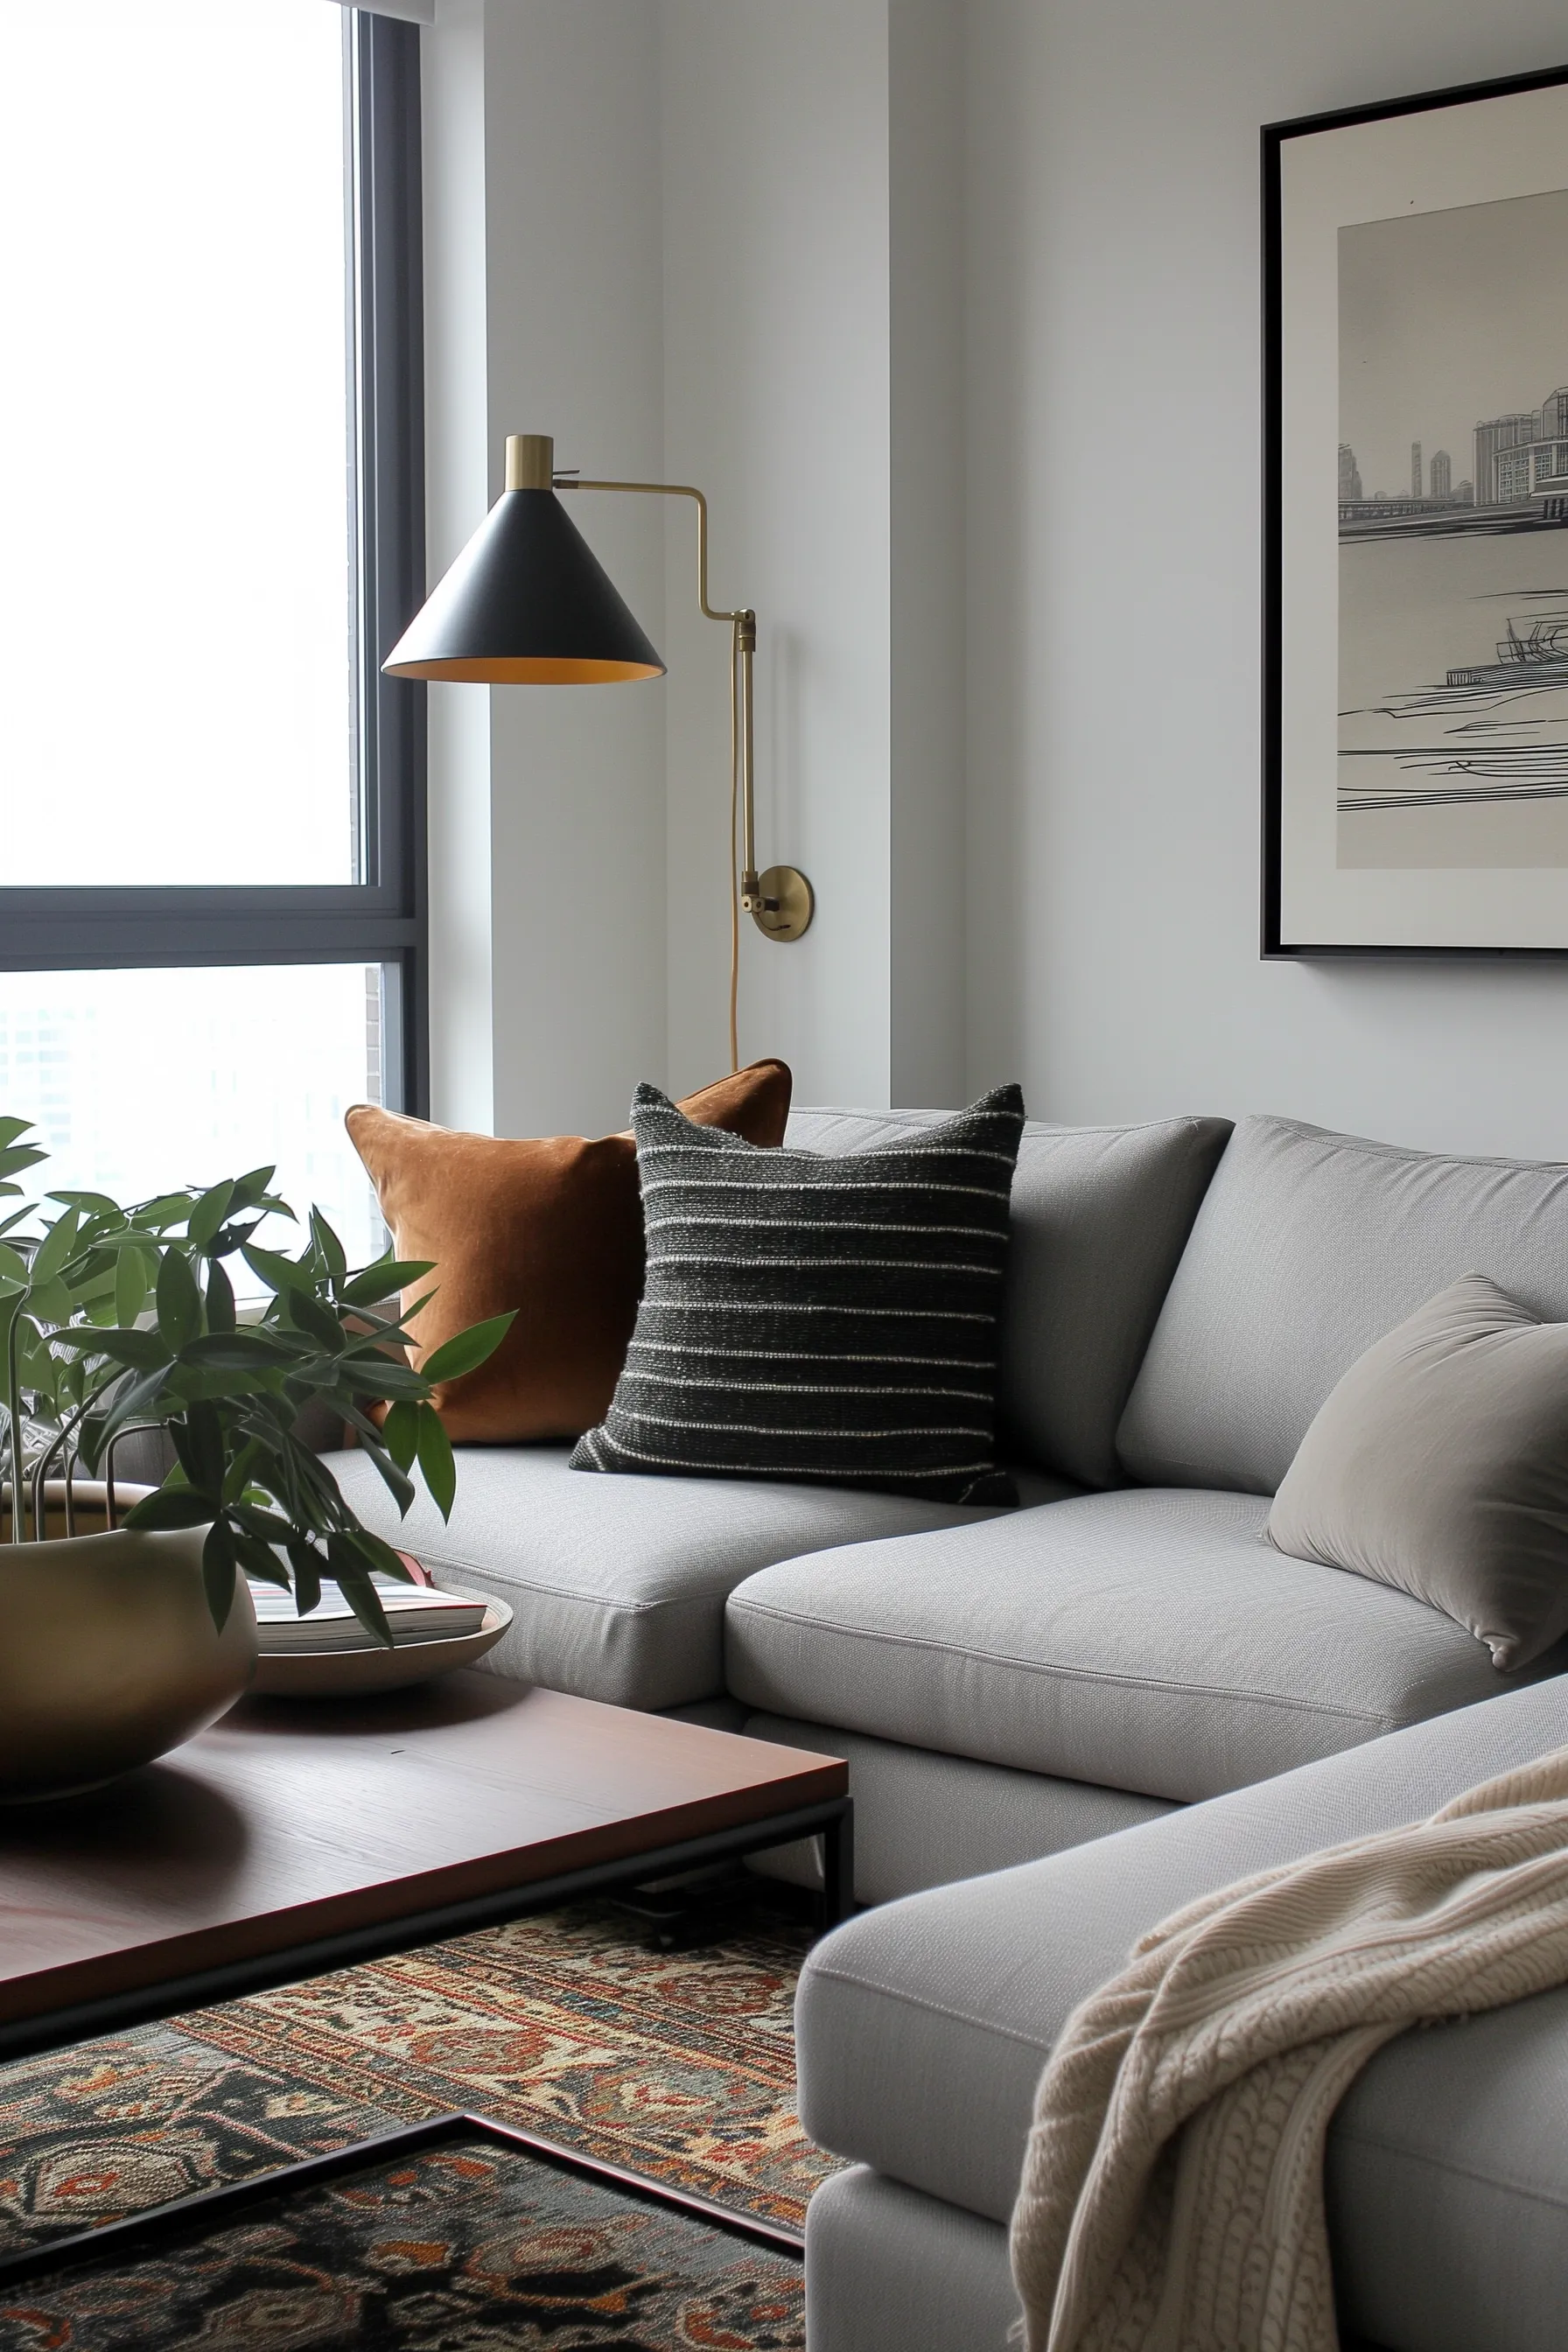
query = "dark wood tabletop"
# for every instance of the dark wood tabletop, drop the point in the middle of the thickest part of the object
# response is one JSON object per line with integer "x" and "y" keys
{"x": 292, "y": 1822}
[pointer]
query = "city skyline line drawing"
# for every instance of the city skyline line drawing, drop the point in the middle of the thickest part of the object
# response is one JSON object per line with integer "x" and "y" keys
{"x": 1453, "y": 587}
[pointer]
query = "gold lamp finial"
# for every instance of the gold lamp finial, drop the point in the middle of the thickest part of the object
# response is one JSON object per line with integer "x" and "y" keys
{"x": 529, "y": 461}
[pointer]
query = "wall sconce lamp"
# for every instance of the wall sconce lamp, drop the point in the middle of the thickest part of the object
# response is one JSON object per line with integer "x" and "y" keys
{"x": 527, "y": 602}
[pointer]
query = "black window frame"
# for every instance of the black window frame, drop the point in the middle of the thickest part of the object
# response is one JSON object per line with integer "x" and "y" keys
{"x": 382, "y": 918}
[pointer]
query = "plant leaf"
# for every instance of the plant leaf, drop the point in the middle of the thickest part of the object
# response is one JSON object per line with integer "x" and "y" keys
{"x": 55, "y": 1246}
{"x": 379, "y": 1281}
{"x": 308, "y": 1314}
{"x": 168, "y": 1208}
{"x": 306, "y": 1565}
{"x": 189, "y": 1385}
{"x": 208, "y": 1214}
{"x": 234, "y": 1352}
{"x": 351, "y": 1572}
{"x": 220, "y": 1300}
{"x": 333, "y": 1254}
{"x": 396, "y": 1480}
{"x": 274, "y": 1269}
{"x": 171, "y": 1507}
{"x": 246, "y": 1190}
{"x": 258, "y": 1559}
{"x": 179, "y": 1300}
{"x": 378, "y": 1376}
{"x": 400, "y": 1433}
{"x": 435, "y": 1463}
{"x": 220, "y": 1569}
{"x": 50, "y": 1302}
{"x": 468, "y": 1349}
{"x": 198, "y": 1442}
{"x": 141, "y": 1351}
{"x": 264, "y": 1527}
{"x": 378, "y": 1554}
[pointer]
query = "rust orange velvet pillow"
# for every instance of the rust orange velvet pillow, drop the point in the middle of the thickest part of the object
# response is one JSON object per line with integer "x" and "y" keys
{"x": 551, "y": 1227}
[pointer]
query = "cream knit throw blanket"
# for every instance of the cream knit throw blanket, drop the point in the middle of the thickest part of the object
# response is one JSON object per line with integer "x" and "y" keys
{"x": 1173, "y": 2193}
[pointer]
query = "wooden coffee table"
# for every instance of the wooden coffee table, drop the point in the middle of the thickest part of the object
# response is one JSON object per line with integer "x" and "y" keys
{"x": 297, "y": 1836}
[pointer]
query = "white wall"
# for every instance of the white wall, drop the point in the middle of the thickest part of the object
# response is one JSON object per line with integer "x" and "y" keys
{"x": 689, "y": 239}
{"x": 813, "y": 260}
{"x": 927, "y": 574}
{"x": 543, "y": 277}
{"x": 457, "y": 437}
{"x": 777, "y": 403}
{"x": 1113, "y": 401}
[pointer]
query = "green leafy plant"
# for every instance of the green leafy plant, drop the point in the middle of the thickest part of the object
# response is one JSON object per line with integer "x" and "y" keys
{"x": 115, "y": 1319}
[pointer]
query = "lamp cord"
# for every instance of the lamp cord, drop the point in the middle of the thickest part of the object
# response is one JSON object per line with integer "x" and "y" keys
{"x": 734, "y": 874}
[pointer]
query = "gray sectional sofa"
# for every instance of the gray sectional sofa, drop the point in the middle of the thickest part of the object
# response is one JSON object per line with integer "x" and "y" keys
{"x": 1112, "y": 1698}
{"x": 1005, "y": 1685}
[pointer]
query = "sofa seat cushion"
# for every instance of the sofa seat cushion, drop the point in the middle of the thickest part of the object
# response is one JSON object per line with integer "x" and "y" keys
{"x": 925, "y": 2026}
{"x": 619, "y": 1585}
{"x": 1099, "y": 1215}
{"x": 1147, "y": 1640}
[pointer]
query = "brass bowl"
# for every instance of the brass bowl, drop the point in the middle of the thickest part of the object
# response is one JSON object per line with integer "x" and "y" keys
{"x": 108, "y": 1656}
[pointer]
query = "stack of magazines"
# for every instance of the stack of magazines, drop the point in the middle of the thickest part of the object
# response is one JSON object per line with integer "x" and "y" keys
{"x": 415, "y": 1613}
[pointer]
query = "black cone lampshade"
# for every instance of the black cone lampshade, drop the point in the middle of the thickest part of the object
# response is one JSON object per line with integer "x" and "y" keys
{"x": 527, "y": 602}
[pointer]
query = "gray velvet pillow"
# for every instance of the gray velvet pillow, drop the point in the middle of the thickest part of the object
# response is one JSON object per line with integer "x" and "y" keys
{"x": 1439, "y": 1464}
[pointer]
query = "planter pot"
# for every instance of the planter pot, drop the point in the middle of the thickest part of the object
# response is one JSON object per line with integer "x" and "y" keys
{"x": 108, "y": 1656}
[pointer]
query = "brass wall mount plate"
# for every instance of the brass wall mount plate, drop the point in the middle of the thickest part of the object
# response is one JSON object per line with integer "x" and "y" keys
{"x": 795, "y": 903}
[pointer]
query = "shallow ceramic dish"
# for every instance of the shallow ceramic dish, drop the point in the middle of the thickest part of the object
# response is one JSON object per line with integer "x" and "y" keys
{"x": 347, "y": 1674}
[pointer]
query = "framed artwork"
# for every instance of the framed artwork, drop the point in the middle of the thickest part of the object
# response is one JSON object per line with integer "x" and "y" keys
{"x": 1416, "y": 435}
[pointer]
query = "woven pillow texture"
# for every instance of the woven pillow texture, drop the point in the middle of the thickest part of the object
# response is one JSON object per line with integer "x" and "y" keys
{"x": 551, "y": 1226}
{"x": 818, "y": 1317}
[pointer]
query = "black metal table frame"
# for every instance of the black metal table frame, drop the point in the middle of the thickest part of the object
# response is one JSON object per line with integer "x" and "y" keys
{"x": 143, "y": 2233}
{"x": 832, "y": 1820}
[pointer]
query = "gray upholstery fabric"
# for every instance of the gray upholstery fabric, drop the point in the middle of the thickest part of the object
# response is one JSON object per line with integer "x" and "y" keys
{"x": 888, "y": 2270}
{"x": 1437, "y": 1464}
{"x": 922, "y": 1820}
{"x": 618, "y": 1584}
{"x": 1308, "y": 1247}
{"x": 1147, "y": 1640}
{"x": 923, "y": 2026}
{"x": 1100, "y": 1218}
{"x": 1448, "y": 2186}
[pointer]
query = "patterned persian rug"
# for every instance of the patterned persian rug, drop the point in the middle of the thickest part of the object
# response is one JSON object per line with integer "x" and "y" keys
{"x": 449, "y": 2250}
{"x": 678, "y": 2065}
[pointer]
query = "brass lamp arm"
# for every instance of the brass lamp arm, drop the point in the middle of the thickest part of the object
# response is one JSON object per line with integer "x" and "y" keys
{"x": 664, "y": 491}
{"x": 742, "y": 646}
{"x": 785, "y": 910}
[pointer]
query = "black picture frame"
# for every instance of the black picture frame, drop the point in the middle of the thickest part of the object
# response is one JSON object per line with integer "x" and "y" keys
{"x": 1281, "y": 938}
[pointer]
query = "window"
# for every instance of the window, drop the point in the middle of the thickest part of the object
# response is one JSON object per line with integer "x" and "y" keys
{"x": 211, "y": 803}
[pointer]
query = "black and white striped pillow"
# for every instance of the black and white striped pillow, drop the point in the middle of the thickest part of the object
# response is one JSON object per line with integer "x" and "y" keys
{"x": 810, "y": 1315}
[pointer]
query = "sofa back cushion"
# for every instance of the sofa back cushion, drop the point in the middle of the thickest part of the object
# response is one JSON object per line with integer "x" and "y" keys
{"x": 1308, "y": 1248}
{"x": 1099, "y": 1215}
